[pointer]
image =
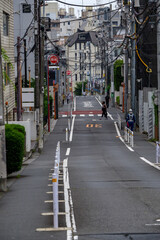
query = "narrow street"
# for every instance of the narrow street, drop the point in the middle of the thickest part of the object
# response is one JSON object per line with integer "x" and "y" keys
{"x": 115, "y": 195}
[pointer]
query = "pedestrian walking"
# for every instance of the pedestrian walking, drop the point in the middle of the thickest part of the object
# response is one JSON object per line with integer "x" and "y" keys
{"x": 104, "y": 110}
{"x": 63, "y": 98}
{"x": 130, "y": 120}
{"x": 68, "y": 97}
{"x": 107, "y": 100}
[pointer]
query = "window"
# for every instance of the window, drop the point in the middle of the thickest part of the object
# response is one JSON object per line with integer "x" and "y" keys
{"x": 5, "y": 24}
{"x": 75, "y": 77}
{"x": 68, "y": 23}
{"x": 84, "y": 45}
{"x": 6, "y": 73}
{"x": 115, "y": 23}
{"x": 75, "y": 56}
{"x": 64, "y": 24}
{"x": 75, "y": 46}
{"x": 75, "y": 66}
{"x": 79, "y": 46}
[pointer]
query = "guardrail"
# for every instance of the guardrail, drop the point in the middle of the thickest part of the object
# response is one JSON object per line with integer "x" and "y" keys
{"x": 128, "y": 136}
{"x": 55, "y": 177}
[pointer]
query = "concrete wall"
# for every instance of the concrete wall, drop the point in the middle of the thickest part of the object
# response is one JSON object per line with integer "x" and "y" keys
{"x": 31, "y": 115}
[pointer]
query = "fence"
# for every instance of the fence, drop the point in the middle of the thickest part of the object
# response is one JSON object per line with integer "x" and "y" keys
{"x": 128, "y": 136}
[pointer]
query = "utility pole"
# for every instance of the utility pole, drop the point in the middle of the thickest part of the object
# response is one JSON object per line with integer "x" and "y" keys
{"x": 126, "y": 61}
{"x": 3, "y": 168}
{"x": 18, "y": 80}
{"x": 133, "y": 67}
{"x": 25, "y": 62}
{"x": 41, "y": 78}
{"x": 112, "y": 63}
{"x": 38, "y": 89}
{"x": 158, "y": 61}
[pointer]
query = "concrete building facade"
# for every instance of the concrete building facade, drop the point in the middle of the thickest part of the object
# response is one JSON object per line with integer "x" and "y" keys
{"x": 7, "y": 41}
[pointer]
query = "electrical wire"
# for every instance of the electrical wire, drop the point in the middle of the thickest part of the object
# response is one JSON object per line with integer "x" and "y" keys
{"x": 77, "y": 5}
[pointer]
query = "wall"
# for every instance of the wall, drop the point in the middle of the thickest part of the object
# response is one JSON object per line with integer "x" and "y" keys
{"x": 27, "y": 125}
{"x": 8, "y": 44}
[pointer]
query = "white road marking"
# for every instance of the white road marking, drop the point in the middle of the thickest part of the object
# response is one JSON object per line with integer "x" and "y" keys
{"x": 88, "y": 104}
{"x": 64, "y": 115}
{"x": 52, "y": 229}
{"x": 99, "y": 115}
{"x": 109, "y": 115}
{"x": 68, "y": 151}
{"x": 91, "y": 115}
{"x": 72, "y": 127}
{"x": 82, "y": 115}
{"x": 119, "y": 135}
{"x": 150, "y": 163}
{"x": 68, "y": 202}
{"x": 52, "y": 192}
{"x": 51, "y": 201}
{"x": 153, "y": 224}
{"x": 51, "y": 213}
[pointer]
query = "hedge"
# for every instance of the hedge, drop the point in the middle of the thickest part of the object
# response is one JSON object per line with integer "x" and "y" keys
{"x": 15, "y": 139}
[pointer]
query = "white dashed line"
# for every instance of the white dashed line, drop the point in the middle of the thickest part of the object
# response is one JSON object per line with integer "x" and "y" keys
{"x": 68, "y": 151}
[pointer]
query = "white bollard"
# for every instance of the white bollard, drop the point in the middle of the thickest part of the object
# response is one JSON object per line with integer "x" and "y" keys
{"x": 69, "y": 124}
{"x": 66, "y": 134}
{"x": 55, "y": 199}
{"x": 157, "y": 152}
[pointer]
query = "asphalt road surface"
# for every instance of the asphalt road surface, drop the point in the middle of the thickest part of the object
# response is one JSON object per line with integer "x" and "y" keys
{"x": 112, "y": 193}
{"x": 115, "y": 195}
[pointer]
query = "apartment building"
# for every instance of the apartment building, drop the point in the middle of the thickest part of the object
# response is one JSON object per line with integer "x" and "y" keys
{"x": 81, "y": 55}
{"x": 7, "y": 41}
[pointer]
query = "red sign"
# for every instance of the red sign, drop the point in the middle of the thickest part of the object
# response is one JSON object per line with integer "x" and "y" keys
{"x": 68, "y": 72}
{"x": 54, "y": 59}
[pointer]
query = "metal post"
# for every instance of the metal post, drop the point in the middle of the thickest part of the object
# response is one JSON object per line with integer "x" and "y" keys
{"x": 41, "y": 78}
{"x": 133, "y": 69}
{"x": 19, "y": 81}
{"x": 126, "y": 63}
{"x": 48, "y": 96}
{"x": 3, "y": 168}
{"x": 25, "y": 62}
{"x": 112, "y": 65}
{"x": 55, "y": 199}
{"x": 66, "y": 134}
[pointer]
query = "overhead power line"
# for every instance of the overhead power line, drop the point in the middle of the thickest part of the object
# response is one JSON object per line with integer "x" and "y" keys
{"x": 77, "y": 5}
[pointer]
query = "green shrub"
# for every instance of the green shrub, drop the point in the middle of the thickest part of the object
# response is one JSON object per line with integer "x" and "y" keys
{"x": 117, "y": 100}
{"x": 15, "y": 139}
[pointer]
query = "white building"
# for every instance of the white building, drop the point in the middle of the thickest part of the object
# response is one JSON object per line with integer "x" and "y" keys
{"x": 7, "y": 41}
{"x": 81, "y": 55}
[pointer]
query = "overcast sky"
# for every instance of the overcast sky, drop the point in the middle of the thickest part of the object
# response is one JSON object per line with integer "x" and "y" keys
{"x": 85, "y": 2}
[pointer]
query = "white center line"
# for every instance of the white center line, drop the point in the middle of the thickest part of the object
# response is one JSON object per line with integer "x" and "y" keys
{"x": 68, "y": 151}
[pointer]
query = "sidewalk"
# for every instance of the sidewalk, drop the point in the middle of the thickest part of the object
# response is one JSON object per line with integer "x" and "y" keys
{"x": 142, "y": 146}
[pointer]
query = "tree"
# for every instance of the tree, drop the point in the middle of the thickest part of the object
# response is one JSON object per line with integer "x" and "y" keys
{"x": 118, "y": 79}
{"x": 78, "y": 88}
